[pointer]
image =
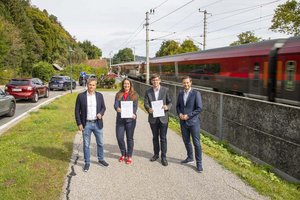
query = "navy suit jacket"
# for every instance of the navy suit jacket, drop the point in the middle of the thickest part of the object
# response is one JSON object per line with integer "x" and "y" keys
{"x": 81, "y": 108}
{"x": 192, "y": 108}
{"x": 117, "y": 104}
{"x": 162, "y": 95}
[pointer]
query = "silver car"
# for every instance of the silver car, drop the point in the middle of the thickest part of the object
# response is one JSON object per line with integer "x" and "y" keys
{"x": 7, "y": 104}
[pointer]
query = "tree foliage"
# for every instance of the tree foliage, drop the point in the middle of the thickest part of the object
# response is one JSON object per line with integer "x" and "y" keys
{"x": 168, "y": 47}
{"x": 287, "y": 18}
{"x": 188, "y": 46}
{"x": 91, "y": 50}
{"x": 124, "y": 55}
{"x": 28, "y": 36}
{"x": 171, "y": 47}
{"x": 43, "y": 71}
{"x": 245, "y": 38}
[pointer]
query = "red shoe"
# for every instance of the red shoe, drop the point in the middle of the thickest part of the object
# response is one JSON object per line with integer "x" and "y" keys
{"x": 122, "y": 158}
{"x": 129, "y": 160}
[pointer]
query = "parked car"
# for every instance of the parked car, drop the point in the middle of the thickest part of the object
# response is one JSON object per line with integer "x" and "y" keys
{"x": 84, "y": 77}
{"x": 7, "y": 104}
{"x": 61, "y": 83}
{"x": 27, "y": 88}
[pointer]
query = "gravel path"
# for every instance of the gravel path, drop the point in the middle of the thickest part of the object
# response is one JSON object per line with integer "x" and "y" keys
{"x": 144, "y": 179}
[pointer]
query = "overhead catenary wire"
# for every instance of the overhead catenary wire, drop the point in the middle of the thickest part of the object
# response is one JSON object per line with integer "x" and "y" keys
{"x": 172, "y": 12}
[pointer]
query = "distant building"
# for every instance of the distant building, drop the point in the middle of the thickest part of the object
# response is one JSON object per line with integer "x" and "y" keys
{"x": 57, "y": 67}
{"x": 96, "y": 63}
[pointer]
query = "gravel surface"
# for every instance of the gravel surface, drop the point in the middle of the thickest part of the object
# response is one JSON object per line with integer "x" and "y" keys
{"x": 144, "y": 179}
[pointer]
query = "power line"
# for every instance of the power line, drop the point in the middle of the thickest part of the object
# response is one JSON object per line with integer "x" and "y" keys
{"x": 160, "y": 4}
{"x": 241, "y": 23}
{"x": 173, "y": 11}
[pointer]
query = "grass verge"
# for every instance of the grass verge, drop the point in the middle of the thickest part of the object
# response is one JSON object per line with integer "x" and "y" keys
{"x": 35, "y": 153}
{"x": 259, "y": 177}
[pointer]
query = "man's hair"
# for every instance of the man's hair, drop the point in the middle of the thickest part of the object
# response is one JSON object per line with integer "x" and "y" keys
{"x": 91, "y": 79}
{"x": 153, "y": 76}
{"x": 186, "y": 77}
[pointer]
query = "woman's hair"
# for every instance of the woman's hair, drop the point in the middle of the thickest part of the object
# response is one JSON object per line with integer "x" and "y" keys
{"x": 132, "y": 93}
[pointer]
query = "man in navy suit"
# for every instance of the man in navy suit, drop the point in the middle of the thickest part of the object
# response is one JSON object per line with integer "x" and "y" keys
{"x": 159, "y": 125}
{"x": 189, "y": 105}
{"x": 89, "y": 111}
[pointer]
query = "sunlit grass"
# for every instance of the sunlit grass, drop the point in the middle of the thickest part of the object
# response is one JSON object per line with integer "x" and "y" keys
{"x": 35, "y": 153}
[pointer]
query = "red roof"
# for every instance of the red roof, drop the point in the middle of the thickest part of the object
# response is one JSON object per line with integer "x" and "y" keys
{"x": 97, "y": 63}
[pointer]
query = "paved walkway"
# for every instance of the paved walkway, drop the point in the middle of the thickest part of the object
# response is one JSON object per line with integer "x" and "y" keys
{"x": 144, "y": 179}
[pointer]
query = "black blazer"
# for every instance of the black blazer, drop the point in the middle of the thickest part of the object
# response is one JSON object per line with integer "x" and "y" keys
{"x": 192, "y": 108}
{"x": 117, "y": 105}
{"x": 81, "y": 108}
{"x": 162, "y": 95}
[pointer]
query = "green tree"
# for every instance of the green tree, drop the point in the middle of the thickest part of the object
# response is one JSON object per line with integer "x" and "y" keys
{"x": 188, "y": 46}
{"x": 169, "y": 47}
{"x": 245, "y": 38}
{"x": 43, "y": 71}
{"x": 124, "y": 55}
{"x": 287, "y": 18}
{"x": 91, "y": 50}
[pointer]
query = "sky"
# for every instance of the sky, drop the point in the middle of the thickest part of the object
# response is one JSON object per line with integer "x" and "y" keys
{"x": 116, "y": 24}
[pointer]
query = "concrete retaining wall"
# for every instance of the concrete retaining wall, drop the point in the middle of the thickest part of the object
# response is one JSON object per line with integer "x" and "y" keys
{"x": 266, "y": 132}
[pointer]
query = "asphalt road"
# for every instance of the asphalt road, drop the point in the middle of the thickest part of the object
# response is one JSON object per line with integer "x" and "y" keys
{"x": 25, "y": 106}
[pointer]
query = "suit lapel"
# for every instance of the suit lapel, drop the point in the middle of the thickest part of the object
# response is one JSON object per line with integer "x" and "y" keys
{"x": 189, "y": 96}
{"x": 160, "y": 93}
{"x": 152, "y": 94}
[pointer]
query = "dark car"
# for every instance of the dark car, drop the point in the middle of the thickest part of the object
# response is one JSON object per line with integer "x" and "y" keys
{"x": 61, "y": 83}
{"x": 27, "y": 88}
{"x": 84, "y": 77}
{"x": 7, "y": 104}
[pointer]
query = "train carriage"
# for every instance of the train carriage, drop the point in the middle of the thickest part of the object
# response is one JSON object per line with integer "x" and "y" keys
{"x": 266, "y": 70}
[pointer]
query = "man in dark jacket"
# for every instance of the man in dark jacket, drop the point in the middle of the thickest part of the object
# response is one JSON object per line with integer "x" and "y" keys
{"x": 159, "y": 125}
{"x": 189, "y": 106}
{"x": 89, "y": 111}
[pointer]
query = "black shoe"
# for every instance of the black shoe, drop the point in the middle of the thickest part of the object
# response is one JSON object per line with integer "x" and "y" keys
{"x": 154, "y": 158}
{"x": 102, "y": 162}
{"x": 199, "y": 169}
{"x": 164, "y": 162}
{"x": 86, "y": 167}
{"x": 187, "y": 160}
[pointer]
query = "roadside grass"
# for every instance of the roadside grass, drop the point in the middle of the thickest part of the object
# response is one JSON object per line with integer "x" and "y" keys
{"x": 35, "y": 153}
{"x": 258, "y": 176}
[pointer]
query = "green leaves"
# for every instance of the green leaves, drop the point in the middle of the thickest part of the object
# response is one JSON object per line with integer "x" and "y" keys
{"x": 287, "y": 18}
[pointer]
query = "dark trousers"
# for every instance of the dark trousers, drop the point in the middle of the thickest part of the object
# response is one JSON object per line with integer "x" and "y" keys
{"x": 122, "y": 127}
{"x": 187, "y": 132}
{"x": 159, "y": 131}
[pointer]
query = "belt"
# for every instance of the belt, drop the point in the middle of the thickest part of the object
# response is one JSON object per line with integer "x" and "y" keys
{"x": 92, "y": 121}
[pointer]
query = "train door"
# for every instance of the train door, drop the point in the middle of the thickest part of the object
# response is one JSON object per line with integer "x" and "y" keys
{"x": 255, "y": 83}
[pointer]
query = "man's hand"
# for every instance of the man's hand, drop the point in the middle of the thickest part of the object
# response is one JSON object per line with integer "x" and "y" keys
{"x": 150, "y": 110}
{"x": 118, "y": 109}
{"x": 99, "y": 116}
{"x": 80, "y": 127}
{"x": 165, "y": 107}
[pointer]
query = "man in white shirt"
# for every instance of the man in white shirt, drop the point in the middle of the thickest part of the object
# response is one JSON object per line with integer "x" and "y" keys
{"x": 89, "y": 111}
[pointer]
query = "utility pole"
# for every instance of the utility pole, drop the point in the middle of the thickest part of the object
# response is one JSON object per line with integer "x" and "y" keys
{"x": 147, "y": 45}
{"x": 204, "y": 29}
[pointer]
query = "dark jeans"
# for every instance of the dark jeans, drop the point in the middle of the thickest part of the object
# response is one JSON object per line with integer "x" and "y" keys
{"x": 187, "y": 132}
{"x": 123, "y": 126}
{"x": 159, "y": 131}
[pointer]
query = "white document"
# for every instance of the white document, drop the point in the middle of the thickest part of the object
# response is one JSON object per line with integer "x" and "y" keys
{"x": 158, "y": 111}
{"x": 126, "y": 109}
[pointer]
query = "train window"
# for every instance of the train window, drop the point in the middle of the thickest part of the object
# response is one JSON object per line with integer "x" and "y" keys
{"x": 290, "y": 75}
{"x": 213, "y": 68}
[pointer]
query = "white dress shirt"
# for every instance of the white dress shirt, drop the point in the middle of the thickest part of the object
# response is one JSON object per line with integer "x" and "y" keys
{"x": 185, "y": 95}
{"x": 91, "y": 107}
{"x": 156, "y": 92}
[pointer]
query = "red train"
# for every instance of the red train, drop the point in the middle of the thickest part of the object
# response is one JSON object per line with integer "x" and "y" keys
{"x": 266, "y": 70}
